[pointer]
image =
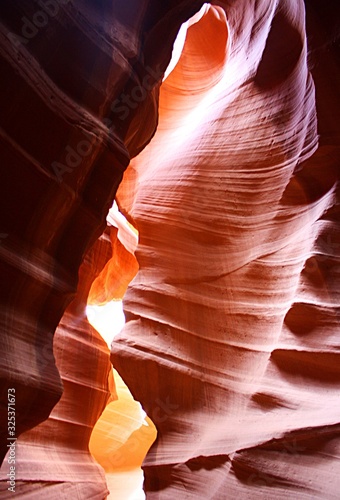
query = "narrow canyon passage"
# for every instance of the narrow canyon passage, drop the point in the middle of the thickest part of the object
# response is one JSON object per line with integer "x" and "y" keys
{"x": 170, "y": 193}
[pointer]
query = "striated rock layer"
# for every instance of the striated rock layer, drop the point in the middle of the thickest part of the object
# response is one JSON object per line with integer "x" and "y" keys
{"x": 78, "y": 80}
{"x": 53, "y": 459}
{"x": 232, "y": 342}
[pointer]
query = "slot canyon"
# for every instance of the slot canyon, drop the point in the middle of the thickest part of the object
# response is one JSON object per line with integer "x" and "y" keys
{"x": 170, "y": 249}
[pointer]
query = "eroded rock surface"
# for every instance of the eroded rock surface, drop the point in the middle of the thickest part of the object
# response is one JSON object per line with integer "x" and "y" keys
{"x": 232, "y": 340}
{"x": 53, "y": 460}
{"x": 234, "y": 314}
{"x": 67, "y": 71}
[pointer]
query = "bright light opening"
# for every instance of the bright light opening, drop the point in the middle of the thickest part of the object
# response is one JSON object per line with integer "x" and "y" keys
{"x": 124, "y": 433}
{"x": 108, "y": 319}
{"x": 180, "y": 39}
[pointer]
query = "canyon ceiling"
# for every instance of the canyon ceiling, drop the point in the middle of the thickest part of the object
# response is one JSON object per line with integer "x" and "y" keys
{"x": 222, "y": 152}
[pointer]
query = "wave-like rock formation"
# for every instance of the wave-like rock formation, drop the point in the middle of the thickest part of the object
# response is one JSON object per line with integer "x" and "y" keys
{"x": 231, "y": 343}
{"x": 82, "y": 359}
{"x": 234, "y": 314}
{"x": 78, "y": 97}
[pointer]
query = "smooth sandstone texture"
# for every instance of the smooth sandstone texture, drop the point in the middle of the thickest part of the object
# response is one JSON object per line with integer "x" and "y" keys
{"x": 234, "y": 314}
{"x": 64, "y": 146}
{"x": 53, "y": 460}
{"x": 232, "y": 341}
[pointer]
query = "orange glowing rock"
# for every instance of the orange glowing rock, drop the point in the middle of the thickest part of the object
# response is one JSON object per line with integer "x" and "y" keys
{"x": 231, "y": 343}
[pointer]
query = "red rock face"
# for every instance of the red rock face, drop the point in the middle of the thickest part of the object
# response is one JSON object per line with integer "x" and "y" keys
{"x": 232, "y": 340}
{"x": 235, "y": 205}
{"x": 66, "y": 74}
{"x": 53, "y": 458}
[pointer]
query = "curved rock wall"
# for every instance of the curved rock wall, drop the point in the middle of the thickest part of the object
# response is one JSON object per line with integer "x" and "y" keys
{"x": 231, "y": 344}
{"x": 53, "y": 458}
{"x": 76, "y": 79}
